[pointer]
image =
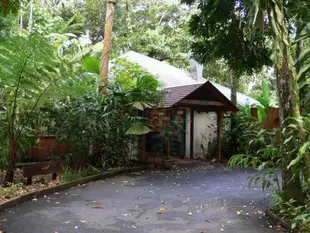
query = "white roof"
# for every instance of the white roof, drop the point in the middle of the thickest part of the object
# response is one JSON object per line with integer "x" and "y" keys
{"x": 171, "y": 76}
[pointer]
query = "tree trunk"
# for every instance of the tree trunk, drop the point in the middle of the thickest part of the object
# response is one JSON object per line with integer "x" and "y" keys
{"x": 233, "y": 121}
{"x": 291, "y": 188}
{"x": 9, "y": 176}
{"x": 289, "y": 107}
{"x": 104, "y": 65}
{"x": 288, "y": 96}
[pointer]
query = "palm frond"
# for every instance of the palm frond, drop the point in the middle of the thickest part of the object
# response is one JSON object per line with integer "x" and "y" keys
{"x": 139, "y": 128}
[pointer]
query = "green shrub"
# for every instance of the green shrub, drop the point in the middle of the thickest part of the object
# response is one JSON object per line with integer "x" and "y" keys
{"x": 298, "y": 216}
{"x": 10, "y": 191}
{"x": 70, "y": 175}
{"x": 102, "y": 129}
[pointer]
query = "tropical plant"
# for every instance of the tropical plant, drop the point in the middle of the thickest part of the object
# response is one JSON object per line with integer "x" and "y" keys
{"x": 288, "y": 91}
{"x": 298, "y": 216}
{"x": 102, "y": 129}
{"x": 265, "y": 102}
{"x": 99, "y": 128}
{"x": 272, "y": 155}
{"x": 63, "y": 35}
{"x": 144, "y": 87}
{"x": 32, "y": 76}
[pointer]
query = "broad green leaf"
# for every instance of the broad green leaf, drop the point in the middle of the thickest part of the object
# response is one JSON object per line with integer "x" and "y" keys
{"x": 139, "y": 128}
{"x": 261, "y": 114}
{"x": 304, "y": 148}
{"x": 91, "y": 65}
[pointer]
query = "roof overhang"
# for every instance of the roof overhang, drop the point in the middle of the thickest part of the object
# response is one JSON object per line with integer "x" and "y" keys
{"x": 202, "y": 96}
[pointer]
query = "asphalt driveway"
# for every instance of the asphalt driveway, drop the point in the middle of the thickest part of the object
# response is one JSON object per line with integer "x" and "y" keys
{"x": 198, "y": 199}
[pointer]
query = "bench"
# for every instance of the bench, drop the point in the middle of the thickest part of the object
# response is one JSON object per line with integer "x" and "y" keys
{"x": 40, "y": 168}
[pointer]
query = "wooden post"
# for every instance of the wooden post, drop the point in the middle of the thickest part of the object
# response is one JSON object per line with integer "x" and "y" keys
{"x": 104, "y": 64}
{"x": 192, "y": 134}
{"x": 219, "y": 134}
{"x": 29, "y": 180}
{"x": 168, "y": 146}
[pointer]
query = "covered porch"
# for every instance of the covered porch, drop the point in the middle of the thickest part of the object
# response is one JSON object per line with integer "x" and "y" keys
{"x": 191, "y": 103}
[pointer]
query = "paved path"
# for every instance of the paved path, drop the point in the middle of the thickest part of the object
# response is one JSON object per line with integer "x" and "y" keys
{"x": 198, "y": 199}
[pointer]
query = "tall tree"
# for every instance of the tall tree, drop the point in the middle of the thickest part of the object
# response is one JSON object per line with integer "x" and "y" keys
{"x": 273, "y": 13}
{"x": 104, "y": 66}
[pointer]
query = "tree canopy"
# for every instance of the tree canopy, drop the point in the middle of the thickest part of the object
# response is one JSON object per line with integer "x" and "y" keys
{"x": 218, "y": 31}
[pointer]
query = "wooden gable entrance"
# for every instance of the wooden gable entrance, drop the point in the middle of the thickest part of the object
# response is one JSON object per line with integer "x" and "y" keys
{"x": 197, "y": 97}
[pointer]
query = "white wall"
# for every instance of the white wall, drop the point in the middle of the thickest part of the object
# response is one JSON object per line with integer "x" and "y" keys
{"x": 204, "y": 131}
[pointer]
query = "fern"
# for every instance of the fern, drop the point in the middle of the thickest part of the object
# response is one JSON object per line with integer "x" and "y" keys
{"x": 32, "y": 76}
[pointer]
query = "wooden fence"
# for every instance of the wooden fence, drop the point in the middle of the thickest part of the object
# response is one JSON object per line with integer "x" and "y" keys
{"x": 272, "y": 120}
{"x": 46, "y": 147}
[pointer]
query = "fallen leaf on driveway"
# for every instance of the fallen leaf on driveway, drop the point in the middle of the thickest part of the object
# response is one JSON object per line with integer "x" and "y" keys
{"x": 4, "y": 220}
{"x": 239, "y": 212}
{"x": 206, "y": 220}
{"x": 162, "y": 210}
{"x": 98, "y": 207}
{"x": 82, "y": 221}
